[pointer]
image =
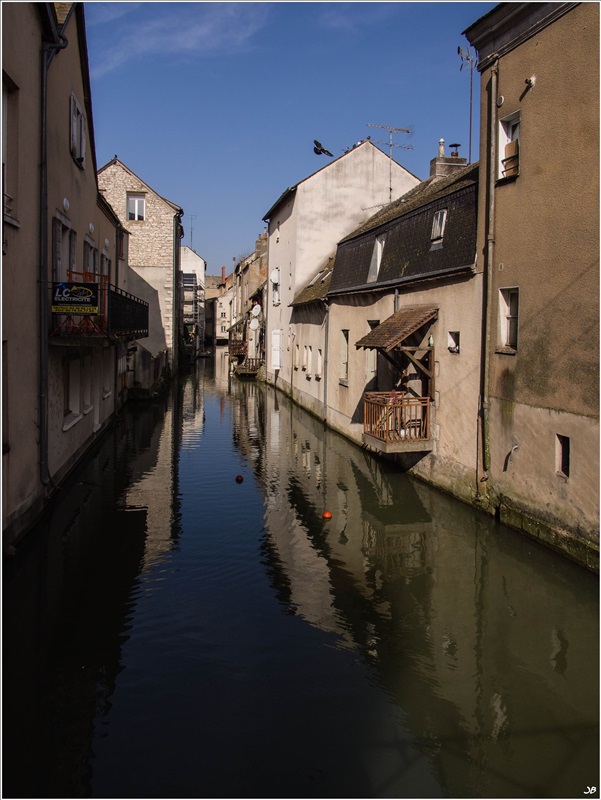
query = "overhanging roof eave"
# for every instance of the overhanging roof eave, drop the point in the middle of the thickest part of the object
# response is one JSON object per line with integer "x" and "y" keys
{"x": 396, "y": 328}
{"x": 391, "y": 284}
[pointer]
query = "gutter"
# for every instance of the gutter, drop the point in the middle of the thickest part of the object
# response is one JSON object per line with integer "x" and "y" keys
{"x": 468, "y": 269}
{"x": 178, "y": 320}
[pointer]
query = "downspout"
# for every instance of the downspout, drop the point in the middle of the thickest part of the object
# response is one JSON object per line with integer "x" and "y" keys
{"x": 177, "y": 332}
{"x": 48, "y": 53}
{"x": 490, "y": 243}
{"x": 325, "y": 364}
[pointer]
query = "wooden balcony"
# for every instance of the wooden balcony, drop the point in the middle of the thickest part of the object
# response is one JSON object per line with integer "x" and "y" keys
{"x": 248, "y": 368}
{"x": 395, "y": 422}
{"x": 86, "y": 307}
{"x": 237, "y": 348}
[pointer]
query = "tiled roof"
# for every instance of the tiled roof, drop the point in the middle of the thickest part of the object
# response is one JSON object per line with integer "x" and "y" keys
{"x": 318, "y": 287}
{"x": 394, "y": 330}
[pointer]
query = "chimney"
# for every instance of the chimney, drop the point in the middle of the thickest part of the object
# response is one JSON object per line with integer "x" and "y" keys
{"x": 442, "y": 166}
{"x": 223, "y": 275}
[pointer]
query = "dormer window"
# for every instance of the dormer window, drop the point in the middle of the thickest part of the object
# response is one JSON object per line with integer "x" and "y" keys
{"x": 376, "y": 258}
{"x": 438, "y": 225}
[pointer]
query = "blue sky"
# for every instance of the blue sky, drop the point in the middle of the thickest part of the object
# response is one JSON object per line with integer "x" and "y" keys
{"x": 216, "y": 105}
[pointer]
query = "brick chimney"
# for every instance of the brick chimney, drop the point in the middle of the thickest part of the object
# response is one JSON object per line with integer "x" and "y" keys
{"x": 223, "y": 275}
{"x": 442, "y": 166}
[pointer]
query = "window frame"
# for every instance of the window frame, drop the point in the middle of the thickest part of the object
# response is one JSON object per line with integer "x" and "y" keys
{"x": 509, "y": 315}
{"x": 344, "y": 357}
{"x": 376, "y": 258}
{"x": 439, "y": 223}
{"x": 509, "y": 146}
{"x": 77, "y": 132}
{"x": 136, "y": 197}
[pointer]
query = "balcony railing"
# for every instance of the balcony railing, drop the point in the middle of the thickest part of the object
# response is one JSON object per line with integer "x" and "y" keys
{"x": 128, "y": 315}
{"x": 396, "y": 421}
{"x": 113, "y": 312}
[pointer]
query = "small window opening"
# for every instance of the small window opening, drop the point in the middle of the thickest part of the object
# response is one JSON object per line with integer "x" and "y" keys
{"x": 509, "y": 309}
{"x": 453, "y": 341}
{"x": 563, "y": 455}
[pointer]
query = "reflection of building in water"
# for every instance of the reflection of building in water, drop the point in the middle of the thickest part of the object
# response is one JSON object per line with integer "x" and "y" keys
{"x": 154, "y": 482}
{"x": 435, "y": 598}
{"x": 193, "y": 410}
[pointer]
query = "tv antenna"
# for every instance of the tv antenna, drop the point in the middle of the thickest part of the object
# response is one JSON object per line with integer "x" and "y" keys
{"x": 390, "y": 144}
{"x": 467, "y": 58}
{"x": 192, "y": 217}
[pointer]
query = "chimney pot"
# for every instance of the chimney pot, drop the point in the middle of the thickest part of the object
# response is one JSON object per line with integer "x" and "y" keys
{"x": 441, "y": 148}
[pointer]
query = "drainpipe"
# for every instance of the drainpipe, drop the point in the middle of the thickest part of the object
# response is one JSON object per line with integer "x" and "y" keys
{"x": 177, "y": 321}
{"x": 49, "y": 50}
{"x": 490, "y": 243}
{"x": 325, "y": 364}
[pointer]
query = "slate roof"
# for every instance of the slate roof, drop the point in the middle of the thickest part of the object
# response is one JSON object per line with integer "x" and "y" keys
{"x": 317, "y": 288}
{"x": 394, "y": 330}
{"x": 425, "y": 192}
{"x": 408, "y": 254}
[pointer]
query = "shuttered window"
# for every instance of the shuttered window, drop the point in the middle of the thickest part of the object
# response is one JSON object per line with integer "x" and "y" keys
{"x": 276, "y": 349}
{"x": 78, "y": 133}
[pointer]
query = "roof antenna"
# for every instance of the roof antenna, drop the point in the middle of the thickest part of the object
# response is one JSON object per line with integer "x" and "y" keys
{"x": 192, "y": 218}
{"x": 466, "y": 57}
{"x": 391, "y": 130}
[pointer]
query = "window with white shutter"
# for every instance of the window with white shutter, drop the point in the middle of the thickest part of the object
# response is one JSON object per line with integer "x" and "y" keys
{"x": 276, "y": 349}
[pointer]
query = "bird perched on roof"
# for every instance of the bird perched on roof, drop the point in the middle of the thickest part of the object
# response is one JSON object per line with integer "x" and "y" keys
{"x": 319, "y": 149}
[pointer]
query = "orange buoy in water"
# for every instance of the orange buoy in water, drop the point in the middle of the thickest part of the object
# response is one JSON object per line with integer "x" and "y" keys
{"x": 239, "y": 478}
{"x": 327, "y": 515}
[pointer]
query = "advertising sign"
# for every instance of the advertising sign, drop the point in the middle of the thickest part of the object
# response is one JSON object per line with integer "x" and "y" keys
{"x": 75, "y": 298}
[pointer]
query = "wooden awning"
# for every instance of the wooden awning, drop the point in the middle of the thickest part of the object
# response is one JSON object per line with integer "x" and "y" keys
{"x": 394, "y": 330}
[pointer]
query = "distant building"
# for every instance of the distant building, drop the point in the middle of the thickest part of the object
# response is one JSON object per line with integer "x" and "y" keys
{"x": 304, "y": 225}
{"x": 247, "y": 336}
{"x": 193, "y": 276}
{"x": 155, "y": 227}
{"x": 220, "y": 299}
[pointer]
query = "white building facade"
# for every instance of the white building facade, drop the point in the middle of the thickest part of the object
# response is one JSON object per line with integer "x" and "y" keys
{"x": 305, "y": 224}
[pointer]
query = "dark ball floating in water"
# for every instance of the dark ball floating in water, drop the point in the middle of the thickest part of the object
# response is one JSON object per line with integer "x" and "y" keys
{"x": 239, "y": 478}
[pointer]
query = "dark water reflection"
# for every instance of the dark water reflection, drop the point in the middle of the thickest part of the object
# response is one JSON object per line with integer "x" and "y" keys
{"x": 169, "y": 632}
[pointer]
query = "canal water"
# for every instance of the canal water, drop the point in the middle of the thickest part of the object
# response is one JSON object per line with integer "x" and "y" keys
{"x": 172, "y": 632}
